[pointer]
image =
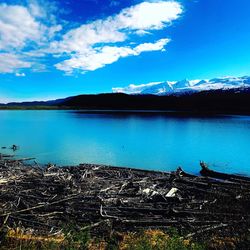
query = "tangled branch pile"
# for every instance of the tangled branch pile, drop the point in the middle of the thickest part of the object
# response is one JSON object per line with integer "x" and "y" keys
{"x": 104, "y": 199}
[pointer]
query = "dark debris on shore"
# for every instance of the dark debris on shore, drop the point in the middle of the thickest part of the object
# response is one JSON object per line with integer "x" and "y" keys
{"x": 105, "y": 199}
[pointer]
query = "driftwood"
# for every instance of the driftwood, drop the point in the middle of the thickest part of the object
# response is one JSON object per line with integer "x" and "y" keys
{"x": 205, "y": 171}
{"x": 95, "y": 197}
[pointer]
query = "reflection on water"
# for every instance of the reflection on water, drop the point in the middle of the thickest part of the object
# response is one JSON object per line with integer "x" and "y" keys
{"x": 154, "y": 140}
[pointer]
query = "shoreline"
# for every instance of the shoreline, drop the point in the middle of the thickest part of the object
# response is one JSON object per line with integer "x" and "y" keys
{"x": 178, "y": 112}
{"x": 108, "y": 198}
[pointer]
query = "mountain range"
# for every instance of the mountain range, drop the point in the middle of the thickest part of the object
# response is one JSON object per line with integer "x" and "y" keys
{"x": 185, "y": 86}
{"x": 228, "y": 95}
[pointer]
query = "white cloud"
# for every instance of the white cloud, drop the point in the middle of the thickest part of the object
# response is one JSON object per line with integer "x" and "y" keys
{"x": 20, "y": 25}
{"x": 142, "y": 32}
{"x": 89, "y": 46}
{"x": 17, "y": 26}
{"x": 27, "y": 35}
{"x": 159, "y": 45}
{"x": 139, "y": 18}
{"x": 20, "y": 74}
{"x": 10, "y": 63}
{"x": 93, "y": 59}
{"x": 82, "y": 38}
{"x": 148, "y": 15}
{"x": 23, "y": 29}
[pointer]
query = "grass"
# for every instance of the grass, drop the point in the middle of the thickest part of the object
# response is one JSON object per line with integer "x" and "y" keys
{"x": 75, "y": 239}
{"x": 157, "y": 240}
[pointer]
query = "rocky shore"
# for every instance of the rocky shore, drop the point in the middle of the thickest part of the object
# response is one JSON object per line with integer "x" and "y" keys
{"x": 106, "y": 199}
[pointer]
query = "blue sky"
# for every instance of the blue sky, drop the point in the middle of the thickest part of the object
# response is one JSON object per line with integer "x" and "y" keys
{"x": 52, "y": 49}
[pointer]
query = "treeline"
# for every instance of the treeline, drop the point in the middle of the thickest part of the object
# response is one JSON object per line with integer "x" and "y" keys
{"x": 217, "y": 101}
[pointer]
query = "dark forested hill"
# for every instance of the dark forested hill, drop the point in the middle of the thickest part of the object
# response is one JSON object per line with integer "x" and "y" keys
{"x": 215, "y": 101}
{"x": 219, "y": 101}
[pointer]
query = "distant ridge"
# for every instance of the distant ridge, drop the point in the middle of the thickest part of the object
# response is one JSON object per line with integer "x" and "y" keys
{"x": 38, "y": 103}
{"x": 224, "y": 101}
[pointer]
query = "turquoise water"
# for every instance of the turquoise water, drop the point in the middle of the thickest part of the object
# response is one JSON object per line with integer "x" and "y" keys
{"x": 151, "y": 141}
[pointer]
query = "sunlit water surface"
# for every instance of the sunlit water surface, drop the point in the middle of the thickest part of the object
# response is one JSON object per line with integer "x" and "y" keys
{"x": 142, "y": 140}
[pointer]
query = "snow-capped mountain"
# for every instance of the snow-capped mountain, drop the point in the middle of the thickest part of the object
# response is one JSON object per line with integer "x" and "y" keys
{"x": 160, "y": 88}
{"x": 185, "y": 86}
{"x": 156, "y": 88}
{"x": 182, "y": 84}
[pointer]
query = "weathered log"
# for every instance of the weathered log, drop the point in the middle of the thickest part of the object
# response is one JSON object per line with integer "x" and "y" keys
{"x": 205, "y": 171}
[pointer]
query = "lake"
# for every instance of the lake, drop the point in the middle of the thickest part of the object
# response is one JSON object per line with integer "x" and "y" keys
{"x": 155, "y": 140}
